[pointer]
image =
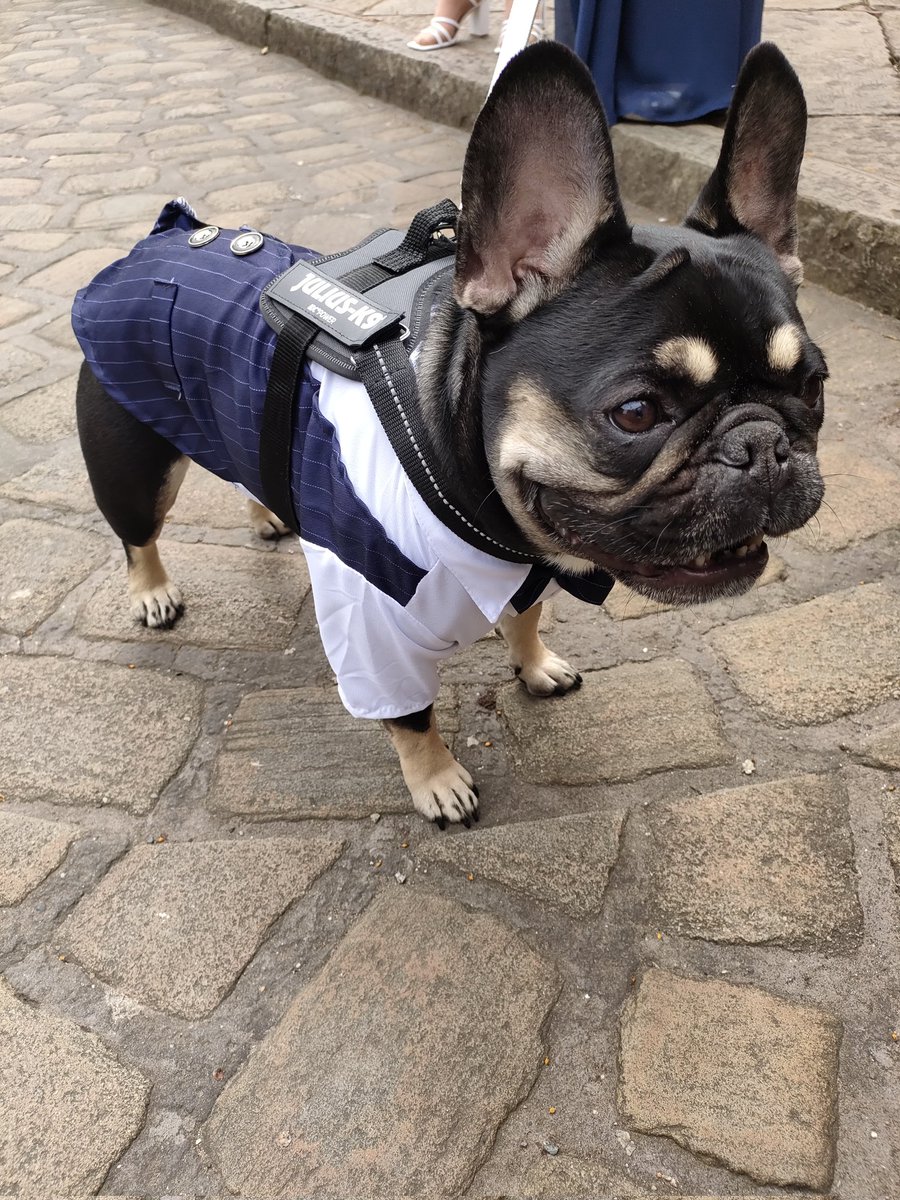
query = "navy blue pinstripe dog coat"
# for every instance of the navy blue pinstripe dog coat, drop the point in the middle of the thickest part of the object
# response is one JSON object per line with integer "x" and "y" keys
{"x": 174, "y": 333}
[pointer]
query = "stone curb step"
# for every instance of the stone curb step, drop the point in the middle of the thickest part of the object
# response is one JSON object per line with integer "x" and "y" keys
{"x": 660, "y": 167}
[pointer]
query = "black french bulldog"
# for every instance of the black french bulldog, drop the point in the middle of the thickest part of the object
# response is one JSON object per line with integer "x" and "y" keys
{"x": 644, "y": 400}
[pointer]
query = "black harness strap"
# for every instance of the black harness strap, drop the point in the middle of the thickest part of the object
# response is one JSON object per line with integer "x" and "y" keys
{"x": 276, "y": 434}
{"x": 390, "y": 380}
{"x": 291, "y": 344}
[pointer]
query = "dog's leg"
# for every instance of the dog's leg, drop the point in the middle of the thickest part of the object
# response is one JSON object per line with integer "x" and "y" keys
{"x": 264, "y": 523}
{"x": 442, "y": 790}
{"x": 135, "y": 475}
{"x": 543, "y": 672}
{"x": 155, "y": 600}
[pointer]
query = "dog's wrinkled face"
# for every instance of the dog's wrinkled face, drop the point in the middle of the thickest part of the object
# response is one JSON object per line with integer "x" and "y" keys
{"x": 650, "y": 397}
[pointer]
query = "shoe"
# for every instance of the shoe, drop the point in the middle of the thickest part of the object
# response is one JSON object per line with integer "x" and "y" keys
{"x": 537, "y": 34}
{"x": 445, "y": 31}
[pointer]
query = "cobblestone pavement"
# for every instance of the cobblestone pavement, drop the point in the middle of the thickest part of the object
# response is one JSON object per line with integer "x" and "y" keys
{"x": 846, "y": 52}
{"x": 666, "y": 963}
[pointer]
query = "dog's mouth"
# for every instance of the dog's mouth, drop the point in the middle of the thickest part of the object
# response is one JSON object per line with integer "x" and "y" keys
{"x": 718, "y": 571}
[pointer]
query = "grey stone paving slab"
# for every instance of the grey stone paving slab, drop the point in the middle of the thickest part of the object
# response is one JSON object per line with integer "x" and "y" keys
{"x": 115, "y": 211}
{"x": 890, "y": 23}
{"x": 104, "y": 182}
{"x": 91, "y": 733}
{"x": 173, "y": 926}
{"x": 819, "y": 660}
{"x": 209, "y": 502}
{"x": 14, "y": 311}
{"x": 234, "y": 598}
{"x": 58, "y": 482}
{"x": 622, "y": 723}
{"x": 841, "y": 58}
{"x": 393, "y": 1068}
{"x": 44, "y": 415}
{"x": 59, "y": 333}
{"x": 564, "y": 862}
{"x": 71, "y": 271}
{"x": 297, "y": 752}
{"x": 861, "y": 497}
{"x": 892, "y": 828}
{"x": 863, "y": 353}
{"x": 735, "y": 1073}
{"x": 17, "y": 364}
{"x": 882, "y": 748}
{"x": 68, "y": 1107}
{"x": 29, "y": 850}
{"x": 21, "y": 217}
{"x": 849, "y": 158}
{"x": 41, "y": 564}
{"x": 772, "y": 862}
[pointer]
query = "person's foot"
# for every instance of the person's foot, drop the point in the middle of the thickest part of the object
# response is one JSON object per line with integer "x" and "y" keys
{"x": 443, "y": 29}
{"x": 537, "y": 34}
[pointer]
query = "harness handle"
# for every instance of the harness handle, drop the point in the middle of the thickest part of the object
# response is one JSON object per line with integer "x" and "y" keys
{"x": 291, "y": 344}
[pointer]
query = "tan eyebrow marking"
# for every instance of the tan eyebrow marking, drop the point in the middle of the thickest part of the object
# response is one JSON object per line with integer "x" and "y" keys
{"x": 784, "y": 347}
{"x": 691, "y": 356}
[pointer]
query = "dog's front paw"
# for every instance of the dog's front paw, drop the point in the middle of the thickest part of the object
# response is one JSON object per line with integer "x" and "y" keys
{"x": 158, "y": 607}
{"x": 548, "y": 675}
{"x": 448, "y": 795}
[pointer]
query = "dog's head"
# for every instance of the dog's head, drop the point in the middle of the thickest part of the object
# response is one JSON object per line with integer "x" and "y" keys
{"x": 650, "y": 398}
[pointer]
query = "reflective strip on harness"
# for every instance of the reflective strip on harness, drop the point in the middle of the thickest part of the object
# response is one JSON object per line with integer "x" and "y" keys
{"x": 318, "y": 302}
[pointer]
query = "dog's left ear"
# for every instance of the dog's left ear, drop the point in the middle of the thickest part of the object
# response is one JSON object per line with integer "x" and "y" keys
{"x": 539, "y": 191}
{"x": 754, "y": 186}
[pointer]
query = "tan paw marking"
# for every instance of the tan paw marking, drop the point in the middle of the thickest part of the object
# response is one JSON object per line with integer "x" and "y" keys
{"x": 448, "y": 795}
{"x": 548, "y": 675}
{"x": 158, "y": 607}
{"x": 264, "y": 522}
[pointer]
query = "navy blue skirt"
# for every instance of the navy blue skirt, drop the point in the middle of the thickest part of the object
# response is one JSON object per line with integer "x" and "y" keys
{"x": 661, "y": 60}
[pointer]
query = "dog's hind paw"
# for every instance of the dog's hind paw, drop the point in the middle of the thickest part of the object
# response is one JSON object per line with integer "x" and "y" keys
{"x": 450, "y": 795}
{"x": 159, "y": 607}
{"x": 549, "y": 675}
{"x": 264, "y": 522}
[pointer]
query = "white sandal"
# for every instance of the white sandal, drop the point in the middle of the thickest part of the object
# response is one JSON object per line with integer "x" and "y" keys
{"x": 537, "y": 34}
{"x": 445, "y": 30}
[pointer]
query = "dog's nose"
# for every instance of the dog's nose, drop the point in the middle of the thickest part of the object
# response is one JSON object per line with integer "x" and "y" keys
{"x": 756, "y": 446}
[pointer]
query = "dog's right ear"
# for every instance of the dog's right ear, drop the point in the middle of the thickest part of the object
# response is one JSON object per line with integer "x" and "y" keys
{"x": 539, "y": 190}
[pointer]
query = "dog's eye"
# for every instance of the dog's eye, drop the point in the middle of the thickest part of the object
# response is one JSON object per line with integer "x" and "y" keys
{"x": 812, "y": 391}
{"x": 636, "y": 416}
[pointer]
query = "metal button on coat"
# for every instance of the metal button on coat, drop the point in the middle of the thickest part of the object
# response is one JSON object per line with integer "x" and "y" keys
{"x": 202, "y": 237}
{"x": 246, "y": 243}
